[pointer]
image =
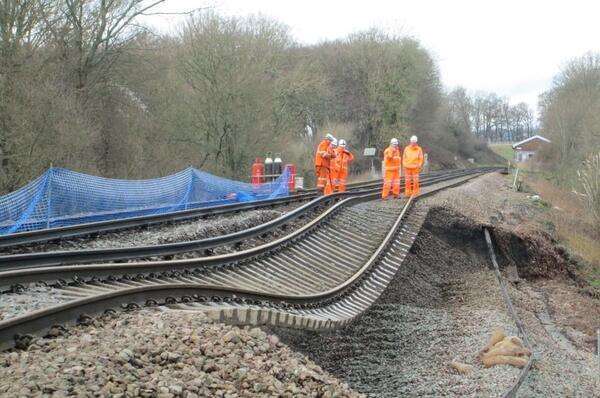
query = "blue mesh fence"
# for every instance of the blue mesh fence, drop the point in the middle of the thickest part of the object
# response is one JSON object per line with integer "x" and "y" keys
{"x": 61, "y": 197}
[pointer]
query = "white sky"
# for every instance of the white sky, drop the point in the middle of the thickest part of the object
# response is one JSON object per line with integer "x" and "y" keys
{"x": 510, "y": 47}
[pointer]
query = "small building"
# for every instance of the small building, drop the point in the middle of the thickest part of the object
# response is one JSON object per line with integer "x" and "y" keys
{"x": 526, "y": 149}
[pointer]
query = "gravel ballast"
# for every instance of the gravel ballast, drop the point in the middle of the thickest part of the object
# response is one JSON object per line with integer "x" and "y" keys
{"x": 164, "y": 354}
{"x": 35, "y": 298}
{"x": 163, "y": 233}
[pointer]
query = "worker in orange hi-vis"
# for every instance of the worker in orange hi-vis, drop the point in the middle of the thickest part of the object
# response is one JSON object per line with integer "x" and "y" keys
{"x": 330, "y": 184}
{"x": 412, "y": 161}
{"x": 391, "y": 163}
{"x": 323, "y": 161}
{"x": 339, "y": 168}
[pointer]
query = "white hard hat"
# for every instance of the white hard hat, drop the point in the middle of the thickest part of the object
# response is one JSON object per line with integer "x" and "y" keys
{"x": 334, "y": 142}
{"x": 414, "y": 138}
{"x": 342, "y": 142}
{"x": 394, "y": 142}
{"x": 330, "y": 137}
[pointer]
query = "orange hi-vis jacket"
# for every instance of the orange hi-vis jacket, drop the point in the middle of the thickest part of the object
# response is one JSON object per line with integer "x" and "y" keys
{"x": 391, "y": 158}
{"x": 341, "y": 160}
{"x": 413, "y": 157}
{"x": 324, "y": 154}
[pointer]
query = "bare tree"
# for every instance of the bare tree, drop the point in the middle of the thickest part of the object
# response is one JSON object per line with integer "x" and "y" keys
{"x": 570, "y": 117}
{"x": 97, "y": 31}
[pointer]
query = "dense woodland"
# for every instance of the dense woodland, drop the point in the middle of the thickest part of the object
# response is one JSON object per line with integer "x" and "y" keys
{"x": 84, "y": 86}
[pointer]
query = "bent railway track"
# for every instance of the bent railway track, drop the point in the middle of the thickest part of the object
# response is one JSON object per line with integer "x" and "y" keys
{"x": 317, "y": 277}
{"x": 56, "y": 258}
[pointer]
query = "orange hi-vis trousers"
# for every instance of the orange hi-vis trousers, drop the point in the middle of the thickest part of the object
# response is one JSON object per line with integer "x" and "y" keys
{"x": 328, "y": 187}
{"x": 342, "y": 180}
{"x": 324, "y": 183}
{"x": 339, "y": 180}
{"x": 411, "y": 177}
{"x": 322, "y": 173}
{"x": 335, "y": 179}
{"x": 391, "y": 181}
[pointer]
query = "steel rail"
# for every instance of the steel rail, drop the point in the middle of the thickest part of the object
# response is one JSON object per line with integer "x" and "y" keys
{"x": 513, "y": 390}
{"x": 83, "y": 256}
{"x": 71, "y": 231}
{"x": 316, "y": 310}
{"x": 21, "y": 276}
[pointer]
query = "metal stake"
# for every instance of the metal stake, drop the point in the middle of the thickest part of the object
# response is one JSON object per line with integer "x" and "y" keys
{"x": 515, "y": 181}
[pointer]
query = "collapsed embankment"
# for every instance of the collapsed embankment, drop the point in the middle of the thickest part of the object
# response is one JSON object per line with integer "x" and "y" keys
{"x": 441, "y": 307}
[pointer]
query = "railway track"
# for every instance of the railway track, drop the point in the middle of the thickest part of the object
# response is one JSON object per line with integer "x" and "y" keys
{"x": 95, "y": 228}
{"x": 514, "y": 389}
{"x": 201, "y": 247}
{"x": 318, "y": 277}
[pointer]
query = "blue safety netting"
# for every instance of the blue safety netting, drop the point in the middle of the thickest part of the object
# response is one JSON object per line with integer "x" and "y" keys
{"x": 61, "y": 197}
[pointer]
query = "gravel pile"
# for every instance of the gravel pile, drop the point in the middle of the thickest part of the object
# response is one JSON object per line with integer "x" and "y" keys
{"x": 561, "y": 317}
{"x": 164, "y": 354}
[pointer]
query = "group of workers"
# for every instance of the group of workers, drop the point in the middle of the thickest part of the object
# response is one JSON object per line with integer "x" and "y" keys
{"x": 332, "y": 160}
{"x": 331, "y": 165}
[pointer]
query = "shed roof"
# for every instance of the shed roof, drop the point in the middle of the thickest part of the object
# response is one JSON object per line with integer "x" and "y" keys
{"x": 535, "y": 137}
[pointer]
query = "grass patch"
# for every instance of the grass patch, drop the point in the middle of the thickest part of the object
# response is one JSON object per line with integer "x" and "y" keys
{"x": 504, "y": 150}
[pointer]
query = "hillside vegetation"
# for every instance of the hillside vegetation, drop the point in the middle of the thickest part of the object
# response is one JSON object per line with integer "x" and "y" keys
{"x": 568, "y": 174}
{"x": 84, "y": 86}
{"x": 570, "y": 117}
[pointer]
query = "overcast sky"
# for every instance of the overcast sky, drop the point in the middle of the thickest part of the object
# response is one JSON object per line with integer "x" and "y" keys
{"x": 511, "y": 47}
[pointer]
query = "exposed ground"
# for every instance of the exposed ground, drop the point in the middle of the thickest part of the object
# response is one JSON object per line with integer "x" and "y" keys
{"x": 558, "y": 306}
